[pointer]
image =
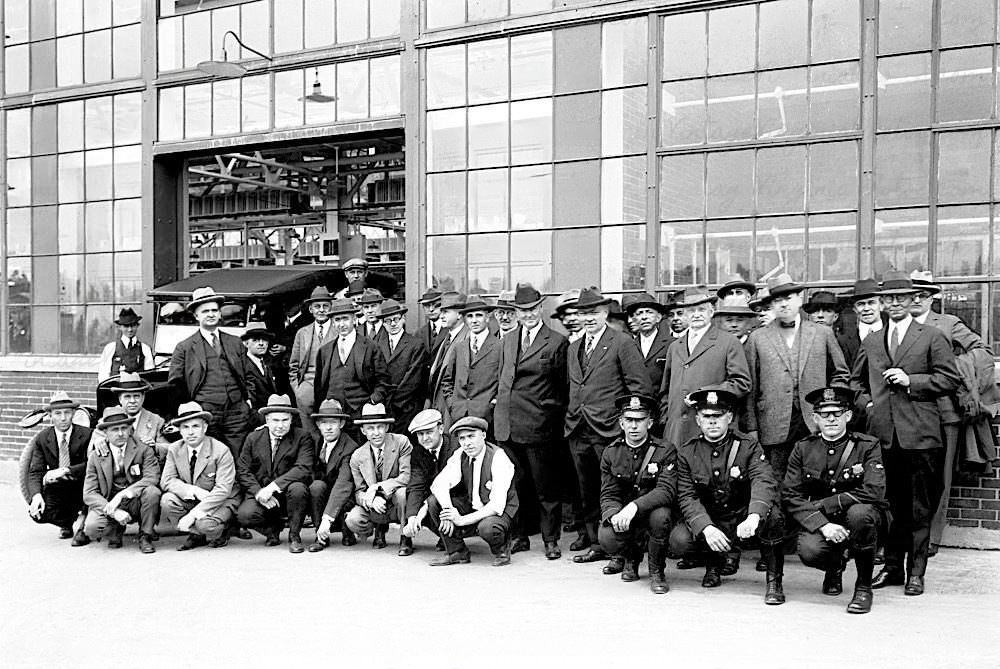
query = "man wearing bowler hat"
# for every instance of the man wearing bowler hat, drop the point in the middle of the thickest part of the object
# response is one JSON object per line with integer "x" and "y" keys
{"x": 899, "y": 376}
{"x": 302, "y": 360}
{"x": 406, "y": 362}
{"x": 823, "y": 308}
{"x": 332, "y": 489}
{"x": 126, "y": 353}
{"x": 601, "y": 367}
{"x": 473, "y": 494}
{"x": 429, "y": 456}
{"x": 275, "y": 467}
{"x": 867, "y": 308}
{"x": 469, "y": 382}
{"x": 650, "y": 332}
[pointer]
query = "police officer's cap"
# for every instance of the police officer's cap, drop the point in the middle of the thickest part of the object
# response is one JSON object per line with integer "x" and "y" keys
{"x": 636, "y": 403}
{"x": 831, "y": 397}
{"x": 711, "y": 397}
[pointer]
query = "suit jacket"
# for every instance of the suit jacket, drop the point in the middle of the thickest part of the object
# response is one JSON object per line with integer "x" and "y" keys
{"x": 146, "y": 430}
{"x": 302, "y": 352}
{"x": 188, "y": 365}
{"x": 370, "y": 372}
{"x": 769, "y": 403}
{"x": 962, "y": 340}
{"x": 622, "y": 480}
{"x": 423, "y": 469}
{"x": 470, "y": 385}
{"x": 293, "y": 460}
{"x": 531, "y": 392}
{"x": 335, "y": 471}
{"x": 911, "y": 413}
{"x": 407, "y": 367}
{"x": 435, "y": 375}
{"x": 272, "y": 381}
{"x": 45, "y": 456}
{"x": 142, "y": 470}
{"x": 615, "y": 369}
{"x": 214, "y": 471}
{"x": 395, "y": 467}
{"x": 657, "y": 358}
{"x": 718, "y": 358}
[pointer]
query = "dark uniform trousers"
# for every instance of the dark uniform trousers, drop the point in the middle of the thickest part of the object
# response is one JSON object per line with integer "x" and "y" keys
{"x": 770, "y": 532}
{"x": 861, "y": 521}
{"x": 914, "y": 483}
{"x": 536, "y": 477}
{"x": 63, "y": 502}
{"x": 293, "y": 501}
{"x": 494, "y": 530}
{"x": 587, "y": 447}
{"x": 777, "y": 454}
{"x": 653, "y": 527}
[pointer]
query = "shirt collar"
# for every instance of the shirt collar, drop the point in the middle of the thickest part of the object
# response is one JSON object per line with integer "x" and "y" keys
{"x": 68, "y": 432}
{"x": 600, "y": 333}
{"x": 480, "y": 338}
{"x": 533, "y": 332}
{"x": 208, "y": 335}
{"x": 350, "y": 337}
{"x": 125, "y": 339}
{"x": 922, "y": 318}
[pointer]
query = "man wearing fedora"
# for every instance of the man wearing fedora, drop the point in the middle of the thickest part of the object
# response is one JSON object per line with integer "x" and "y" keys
{"x": 788, "y": 359}
{"x": 899, "y": 376}
{"x": 381, "y": 471}
{"x": 369, "y": 322}
{"x": 275, "y": 468}
{"x": 704, "y": 356}
{"x": 350, "y": 367}
{"x": 147, "y": 427}
{"x": 57, "y": 467}
{"x": 429, "y": 456}
{"x": 126, "y": 353}
{"x": 677, "y": 319}
{"x": 302, "y": 359}
{"x": 120, "y": 487}
{"x": 473, "y": 495}
{"x": 566, "y": 313}
{"x": 601, "y": 366}
{"x": 406, "y": 362}
{"x": 332, "y": 489}
{"x": 528, "y": 418}
{"x": 650, "y": 332}
{"x": 867, "y": 308}
{"x": 823, "y": 308}
{"x": 430, "y": 333}
{"x": 453, "y": 335}
{"x": 211, "y": 368}
{"x": 738, "y": 288}
{"x": 200, "y": 489}
{"x": 505, "y": 314}
{"x": 734, "y": 315}
{"x": 270, "y": 376}
{"x": 469, "y": 381}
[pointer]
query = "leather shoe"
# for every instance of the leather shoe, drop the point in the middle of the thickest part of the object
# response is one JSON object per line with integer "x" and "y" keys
{"x": 146, "y": 544}
{"x": 932, "y": 550}
{"x": 914, "y": 586}
{"x": 220, "y": 542}
{"x": 115, "y": 537}
{"x": 592, "y": 555}
{"x": 630, "y": 571}
{"x": 66, "y": 532}
{"x": 730, "y": 565}
{"x": 348, "y": 538}
{"x": 582, "y": 541}
{"x": 295, "y": 545}
{"x": 503, "y": 557}
{"x": 155, "y": 536}
{"x": 761, "y": 565}
{"x": 192, "y": 541}
{"x": 616, "y": 565}
{"x": 461, "y": 557}
{"x": 378, "y": 541}
{"x": 833, "y": 582}
{"x": 775, "y": 593}
{"x": 879, "y": 556}
{"x": 317, "y": 546}
{"x": 80, "y": 538}
{"x": 439, "y": 546}
{"x": 244, "y": 534}
{"x": 712, "y": 579}
{"x": 692, "y": 562}
{"x": 405, "y": 546}
{"x": 887, "y": 576}
{"x": 520, "y": 544}
{"x": 272, "y": 539}
{"x": 552, "y": 551}
{"x": 658, "y": 583}
{"x": 861, "y": 602}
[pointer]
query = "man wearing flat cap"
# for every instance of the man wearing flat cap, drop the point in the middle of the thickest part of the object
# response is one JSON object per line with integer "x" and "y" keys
{"x": 126, "y": 353}
{"x": 823, "y": 308}
{"x": 302, "y": 359}
{"x": 601, "y": 367}
{"x": 406, "y": 362}
{"x": 357, "y": 273}
{"x": 428, "y": 458}
{"x": 200, "y": 490}
{"x": 211, "y": 368}
{"x": 638, "y": 491}
{"x": 899, "y": 376}
{"x": 469, "y": 380}
{"x": 727, "y": 494}
{"x": 57, "y": 467}
{"x": 121, "y": 487}
{"x": 473, "y": 495}
{"x": 835, "y": 491}
{"x": 704, "y": 356}
{"x": 275, "y": 468}
{"x": 528, "y": 420}
{"x": 651, "y": 334}
{"x": 332, "y": 489}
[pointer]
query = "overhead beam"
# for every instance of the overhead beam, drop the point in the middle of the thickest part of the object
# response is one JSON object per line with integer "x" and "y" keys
{"x": 240, "y": 180}
{"x": 270, "y": 163}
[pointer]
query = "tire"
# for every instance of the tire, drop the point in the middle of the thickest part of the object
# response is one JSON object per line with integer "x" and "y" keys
{"x": 23, "y": 463}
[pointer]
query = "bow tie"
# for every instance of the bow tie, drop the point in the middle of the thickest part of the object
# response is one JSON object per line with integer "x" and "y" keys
{"x": 786, "y": 325}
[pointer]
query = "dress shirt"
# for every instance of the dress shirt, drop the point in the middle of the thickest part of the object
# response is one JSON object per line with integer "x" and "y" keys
{"x": 596, "y": 338}
{"x": 258, "y": 362}
{"x": 477, "y": 341}
{"x": 503, "y": 475}
{"x": 533, "y": 332}
{"x": 694, "y": 336}
{"x": 922, "y": 318}
{"x": 394, "y": 339}
{"x": 901, "y": 327}
{"x": 646, "y": 342}
{"x": 345, "y": 344}
{"x": 865, "y": 329}
{"x": 208, "y": 336}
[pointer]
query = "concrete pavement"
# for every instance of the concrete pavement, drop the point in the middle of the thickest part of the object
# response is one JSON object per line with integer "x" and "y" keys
{"x": 247, "y": 605}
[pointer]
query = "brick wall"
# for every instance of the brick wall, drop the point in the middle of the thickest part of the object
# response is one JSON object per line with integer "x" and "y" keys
{"x": 24, "y": 391}
{"x": 974, "y": 501}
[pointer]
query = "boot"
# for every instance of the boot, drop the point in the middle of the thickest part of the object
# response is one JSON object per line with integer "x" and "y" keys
{"x": 630, "y": 568}
{"x": 405, "y": 546}
{"x": 730, "y": 564}
{"x": 115, "y": 534}
{"x": 833, "y": 582}
{"x": 657, "y": 580}
{"x": 861, "y": 602}
{"x": 379, "y": 540}
{"x": 775, "y": 557}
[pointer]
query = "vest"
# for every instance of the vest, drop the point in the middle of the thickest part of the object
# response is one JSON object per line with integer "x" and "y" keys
{"x": 118, "y": 480}
{"x": 220, "y": 385}
{"x": 344, "y": 385}
{"x": 127, "y": 358}
{"x": 485, "y": 476}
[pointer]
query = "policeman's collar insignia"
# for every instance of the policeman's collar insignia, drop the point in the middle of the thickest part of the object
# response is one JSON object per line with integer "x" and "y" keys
{"x": 712, "y": 398}
{"x": 829, "y": 395}
{"x": 634, "y": 403}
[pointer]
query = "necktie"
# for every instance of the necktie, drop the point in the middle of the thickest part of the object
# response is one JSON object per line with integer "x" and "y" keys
{"x": 378, "y": 465}
{"x": 320, "y": 331}
{"x": 475, "y": 346}
{"x": 525, "y": 342}
{"x": 894, "y": 342}
{"x": 131, "y": 342}
{"x": 392, "y": 345}
{"x": 215, "y": 343}
{"x": 63, "y": 450}
{"x": 194, "y": 460}
{"x": 589, "y": 345}
{"x": 274, "y": 448}
{"x": 120, "y": 460}
{"x": 342, "y": 348}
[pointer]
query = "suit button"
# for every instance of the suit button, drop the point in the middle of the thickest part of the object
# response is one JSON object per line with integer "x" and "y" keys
{"x": 831, "y": 472}
{"x": 715, "y": 454}
{"x": 830, "y": 451}
{"x": 716, "y": 472}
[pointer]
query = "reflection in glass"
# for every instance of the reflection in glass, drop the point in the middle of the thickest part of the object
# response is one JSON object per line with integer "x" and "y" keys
{"x": 289, "y": 88}
{"x": 100, "y": 284}
{"x": 488, "y": 136}
{"x": 100, "y": 327}
{"x": 904, "y": 25}
{"x": 623, "y": 52}
{"x": 352, "y": 90}
{"x": 682, "y": 186}
{"x": 900, "y": 238}
{"x": 782, "y": 108}
{"x": 781, "y": 246}
{"x": 964, "y": 166}
{"x": 781, "y": 175}
{"x": 623, "y": 258}
{"x": 71, "y": 279}
{"x": 446, "y": 140}
{"x": 18, "y": 329}
{"x": 730, "y": 108}
{"x": 128, "y": 277}
{"x": 730, "y": 244}
{"x": 833, "y": 247}
{"x": 531, "y": 198}
{"x": 71, "y": 228}
{"x": 255, "y": 103}
{"x": 578, "y": 126}
{"x": 782, "y": 33}
{"x": 446, "y": 267}
{"x": 904, "y": 94}
{"x": 321, "y": 112}
{"x": 682, "y": 121}
{"x": 19, "y": 280}
{"x": 488, "y": 200}
{"x": 446, "y": 202}
{"x": 623, "y": 190}
{"x": 98, "y": 117}
{"x": 487, "y": 71}
{"x": 319, "y": 22}
{"x": 488, "y": 260}
{"x": 684, "y": 46}
{"x": 385, "y": 86}
{"x": 966, "y": 22}
{"x": 352, "y": 20}
{"x": 72, "y": 330}
{"x": 901, "y": 168}
{"x": 128, "y": 225}
{"x": 623, "y": 119}
{"x": 731, "y": 39}
{"x": 71, "y": 177}
{"x": 730, "y": 185}
{"x": 836, "y": 29}
{"x": 835, "y": 98}
{"x": 531, "y": 259}
{"x": 530, "y": 65}
{"x": 681, "y": 253}
{"x": 963, "y": 241}
{"x": 965, "y": 85}
{"x": 833, "y": 176}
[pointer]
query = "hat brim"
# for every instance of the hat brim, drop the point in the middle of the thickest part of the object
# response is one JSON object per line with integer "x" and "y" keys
{"x": 179, "y": 420}
{"x": 636, "y": 306}
{"x": 310, "y": 300}
{"x": 343, "y": 312}
{"x": 746, "y": 285}
{"x": 103, "y": 425}
{"x": 145, "y": 388}
{"x": 693, "y": 303}
{"x": 787, "y": 289}
{"x": 263, "y": 411}
{"x": 371, "y": 421}
{"x": 218, "y": 299}
{"x": 476, "y": 307}
{"x": 816, "y": 306}
{"x": 897, "y": 291}
{"x": 342, "y": 416}
{"x": 64, "y": 405}
{"x": 129, "y": 321}
{"x": 590, "y": 305}
{"x": 401, "y": 310}
{"x": 526, "y": 305}
{"x": 725, "y": 311}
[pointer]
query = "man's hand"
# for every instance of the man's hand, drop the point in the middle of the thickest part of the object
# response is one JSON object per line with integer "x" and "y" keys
{"x": 621, "y": 521}
{"x": 265, "y": 495}
{"x": 834, "y": 533}
{"x": 199, "y": 493}
{"x": 450, "y": 514}
{"x": 716, "y": 539}
{"x": 54, "y": 475}
{"x": 99, "y": 444}
{"x": 446, "y": 527}
{"x": 412, "y": 527}
{"x": 37, "y": 507}
{"x": 121, "y": 517}
{"x": 896, "y": 376}
{"x": 378, "y": 505}
{"x": 748, "y": 527}
{"x": 186, "y": 522}
{"x": 323, "y": 531}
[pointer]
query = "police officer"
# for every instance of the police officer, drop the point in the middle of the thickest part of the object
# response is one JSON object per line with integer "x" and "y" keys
{"x": 727, "y": 494}
{"x": 638, "y": 489}
{"x": 835, "y": 491}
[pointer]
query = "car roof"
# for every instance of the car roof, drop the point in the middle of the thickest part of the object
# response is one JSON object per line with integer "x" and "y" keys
{"x": 246, "y": 282}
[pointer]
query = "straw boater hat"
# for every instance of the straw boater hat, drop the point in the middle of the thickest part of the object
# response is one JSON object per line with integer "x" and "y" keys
{"x": 205, "y": 295}
{"x": 468, "y": 423}
{"x": 355, "y": 263}
{"x": 330, "y": 408}
{"x": 821, "y": 299}
{"x": 782, "y": 284}
{"x": 425, "y": 420}
{"x": 374, "y": 413}
{"x": 526, "y": 297}
{"x": 896, "y": 283}
{"x": 277, "y": 404}
{"x": 130, "y": 382}
{"x": 863, "y": 289}
{"x": 114, "y": 416}
{"x": 319, "y": 294}
{"x": 430, "y": 296}
{"x": 390, "y": 308}
{"x": 635, "y": 301}
{"x": 924, "y": 280}
{"x": 60, "y": 400}
{"x": 190, "y": 411}
{"x": 127, "y": 316}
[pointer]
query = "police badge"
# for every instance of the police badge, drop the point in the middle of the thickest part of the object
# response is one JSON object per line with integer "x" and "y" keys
{"x": 858, "y": 469}
{"x": 735, "y": 472}
{"x": 652, "y": 468}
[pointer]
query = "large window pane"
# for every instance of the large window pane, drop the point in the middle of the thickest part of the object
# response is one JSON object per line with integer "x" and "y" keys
{"x": 171, "y": 114}
{"x": 43, "y": 180}
{"x": 19, "y": 280}
{"x": 385, "y": 87}
{"x": 578, "y": 66}
{"x": 289, "y": 88}
{"x": 781, "y": 242}
{"x": 255, "y": 27}
{"x": 781, "y": 176}
{"x": 531, "y": 259}
{"x": 965, "y": 85}
{"x": 684, "y": 114}
{"x": 963, "y": 241}
{"x": 833, "y": 176}
{"x": 16, "y": 20}
{"x": 446, "y": 76}
{"x": 71, "y": 177}
{"x": 531, "y": 198}
{"x": 781, "y": 103}
{"x": 225, "y": 107}
{"x": 71, "y": 278}
{"x": 836, "y": 29}
{"x": 623, "y": 52}
{"x": 442, "y": 13}
{"x": 783, "y": 33}
{"x": 568, "y": 247}
{"x": 487, "y": 71}
{"x": 45, "y": 231}
{"x": 681, "y": 253}
{"x": 530, "y": 65}
{"x": 98, "y": 122}
{"x": 352, "y": 90}
{"x": 100, "y": 277}
{"x": 731, "y": 39}
{"x": 128, "y": 277}
{"x": 904, "y": 94}
{"x": 578, "y": 126}
{"x": 835, "y": 98}
{"x": 488, "y": 260}
{"x": 446, "y": 140}
{"x": 384, "y": 16}
{"x": 128, "y": 225}
{"x": 488, "y": 200}
{"x": 900, "y": 240}
{"x": 966, "y": 22}
{"x": 623, "y": 190}
{"x": 19, "y": 232}
{"x": 98, "y": 233}
{"x": 352, "y": 20}
{"x": 682, "y": 186}
{"x": 198, "y": 110}
{"x": 488, "y": 136}
{"x": 287, "y": 26}
{"x": 531, "y": 131}
{"x": 125, "y": 11}
{"x": 730, "y": 185}
{"x": 125, "y": 54}
{"x": 446, "y": 202}
{"x": 43, "y": 19}
{"x": 730, "y": 108}
{"x": 69, "y": 60}
{"x": 19, "y": 133}
{"x": 321, "y": 112}
{"x": 964, "y": 166}
{"x": 255, "y": 103}
{"x": 904, "y": 25}
{"x": 19, "y": 182}
{"x": 16, "y": 78}
{"x": 71, "y": 228}
{"x": 128, "y": 171}
{"x": 576, "y": 193}
{"x": 319, "y": 22}
{"x": 44, "y": 120}
{"x": 72, "y": 330}
{"x": 623, "y": 120}
{"x": 128, "y": 118}
{"x": 623, "y": 258}
{"x": 685, "y": 49}
{"x": 96, "y": 14}
{"x": 446, "y": 266}
{"x": 97, "y": 56}
{"x": 730, "y": 246}
{"x": 170, "y": 44}
{"x": 483, "y": 10}
{"x": 43, "y": 64}
{"x": 100, "y": 327}
{"x": 901, "y": 169}
{"x": 833, "y": 247}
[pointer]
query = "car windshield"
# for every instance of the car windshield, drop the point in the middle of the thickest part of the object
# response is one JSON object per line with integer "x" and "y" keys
{"x": 176, "y": 313}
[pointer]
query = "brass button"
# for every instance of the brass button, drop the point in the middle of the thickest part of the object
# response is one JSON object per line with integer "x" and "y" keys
{"x": 716, "y": 472}
{"x": 831, "y": 472}
{"x": 830, "y": 451}
{"x": 715, "y": 454}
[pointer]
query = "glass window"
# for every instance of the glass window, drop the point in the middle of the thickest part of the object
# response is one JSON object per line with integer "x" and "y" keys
{"x": 384, "y": 16}
{"x": 446, "y": 76}
{"x": 71, "y": 177}
{"x": 730, "y": 247}
{"x": 834, "y": 98}
{"x": 71, "y": 277}
{"x": 731, "y": 39}
{"x": 19, "y": 182}
{"x": 322, "y": 112}
{"x": 578, "y": 66}
{"x": 446, "y": 267}
{"x": 99, "y": 233}
{"x": 441, "y": 13}
{"x": 531, "y": 131}
{"x": 446, "y": 202}
{"x": 224, "y": 19}
{"x": 45, "y": 230}
{"x": 70, "y": 228}
{"x": 836, "y": 29}
{"x": 47, "y": 291}
{"x": 15, "y": 17}
{"x": 43, "y": 19}
{"x": 98, "y": 174}
{"x": 198, "y": 110}
{"x": 18, "y": 329}
{"x": 126, "y": 52}
{"x": 43, "y": 119}
{"x": 900, "y": 240}
{"x": 568, "y": 246}
{"x": 45, "y": 325}
{"x": 623, "y": 258}
{"x": 16, "y": 69}
{"x": 684, "y": 45}
{"x": 901, "y": 169}
{"x": 170, "y": 44}
{"x": 488, "y": 133}
{"x": 623, "y": 120}
{"x": 481, "y": 10}
{"x": 128, "y": 277}
{"x": 578, "y": 126}
{"x": 681, "y": 253}
{"x": 18, "y": 133}
{"x": 963, "y": 241}
{"x": 530, "y": 199}
{"x": 96, "y": 14}
{"x": 289, "y": 88}
{"x": 100, "y": 277}
{"x": 488, "y": 260}
{"x": 98, "y": 122}
{"x": 319, "y": 21}
{"x": 287, "y": 26}
{"x": 684, "y": 113}
{"x": 531, "y": 259}
{"x": 781, "y": 242}
{"x": 730, "y": 108}
{"x": 781, "y": 177}
{"x": 225, "y": 107}
{"x": 833, "y": 247}
{"x": 128, "y": 225}
{"x": 782, "y": 33}
{"x": 488, "y": 200}
{"x": 446, "y": 140}
{"x": 576, "y": 194}
{"x": 964, "y": 166}
{"x": 19, "y": 280}
{"x": 352, "y": 90}
{"x": 487, "y": 71}
{"x": 781, "y": 103}
{"x": 128, "y": 171}
{"x": 904, "y": 94}
{"x": 352, "y": 20}
{"x": 43, "y": 64}
{"x": 171, "y": 114}
{"x": 965, "y": 85}
{"x": 966, "y": 22}
{"x": 623, "y": 52}
{"x": 385, "y": 86}
{"x": 69, "y": 60}
{"x": 530, "y": 65}
{"x": 255, "y": 28}
{"x": 255, "y": 103}
{"x": 97, "y": 56}
{"x": 19, "y": 232}
{"x": 197, "y": 38}
{"x": 623, "y": 190}
{"x": 128, "y": 118}
{"x": 730, "y": 185}
{"x": 682, "y": 186}
{"x": 70, "y": 119}
{"x": 100, "y": 327}
{"x": 126, "y": 11}
{"x": 904, "y": 25}
{"x": 833, "y": 176}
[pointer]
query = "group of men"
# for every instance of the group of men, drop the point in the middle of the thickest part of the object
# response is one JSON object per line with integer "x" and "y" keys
{"x": 687, "y": 429}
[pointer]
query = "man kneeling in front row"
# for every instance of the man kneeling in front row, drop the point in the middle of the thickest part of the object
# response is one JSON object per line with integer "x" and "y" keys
{"x": 473, "y": 494}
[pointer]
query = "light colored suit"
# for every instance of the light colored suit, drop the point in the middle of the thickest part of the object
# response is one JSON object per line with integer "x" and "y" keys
{"x": 214, "y": 478}
{"x": 470, "y": 385}
{"x": 391, "y": 481}
{"x": 302, "y": 355}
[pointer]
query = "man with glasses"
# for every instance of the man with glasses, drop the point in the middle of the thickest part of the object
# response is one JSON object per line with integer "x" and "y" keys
{"x": 898, "y": 378}
{"x": 835, "y": 491}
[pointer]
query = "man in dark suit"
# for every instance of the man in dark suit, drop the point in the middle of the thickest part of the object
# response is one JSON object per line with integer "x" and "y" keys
{"x": 350, "y": 368}
{"x": 406, "y": 360}
{"x": 429, "y": 333}
{"x": 899, "y": 377}
{"x": 453, "y": 333}
{"x": 431, "y": 452}
{"x": 651, "y": 333}
{"x": 868, "y": 309}
{"x": 211, "y": 368}
{"x": 57, "y": 467}
{"x": 269, "y": 375}
{"x": 369, "y": 323}
{"x": 332, "y": 489}
{"x": 469, "y": 382}
{"x": 530, "y": 409}
{"x": 601, "y": 366}
{"x": 274, "y": 468}
{"x": 302, "y": 358}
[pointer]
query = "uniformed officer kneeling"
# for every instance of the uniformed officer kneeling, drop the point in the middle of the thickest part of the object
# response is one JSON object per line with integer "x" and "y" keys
{"x": 835, "y": 490}
{"x": 727, "y": 494}
{"x": 638, "y": 489}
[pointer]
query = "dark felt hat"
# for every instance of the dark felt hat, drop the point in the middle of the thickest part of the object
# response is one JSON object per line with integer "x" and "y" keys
{"x": 127, "y": 316}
